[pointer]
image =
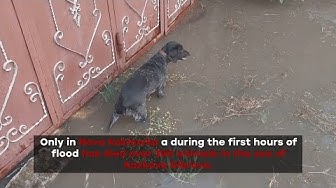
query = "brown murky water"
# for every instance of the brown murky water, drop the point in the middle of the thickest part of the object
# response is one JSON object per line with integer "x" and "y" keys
{"x": 241, "y": 48}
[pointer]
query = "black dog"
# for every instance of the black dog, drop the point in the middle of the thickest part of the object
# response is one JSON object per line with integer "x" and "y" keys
{"x": 149, "y": 78}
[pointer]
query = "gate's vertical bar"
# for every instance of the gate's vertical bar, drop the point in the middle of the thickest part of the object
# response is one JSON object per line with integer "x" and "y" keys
{"x": 120, "y": 56}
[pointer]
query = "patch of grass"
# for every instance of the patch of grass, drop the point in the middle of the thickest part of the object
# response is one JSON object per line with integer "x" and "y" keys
{"x": 160, "y": 123}
{"x": 187, "y": 178}
{"x": 182, "y": 176}
{"x": 242, "y": 106}
{"x": 316, "y": 117}
{"x": 111, "y": 90}
{"x": 273, "y": 181}
{"x": 236, "y": 107}
{"x": 174, "y": 78}
{"x": 110, "y": 93}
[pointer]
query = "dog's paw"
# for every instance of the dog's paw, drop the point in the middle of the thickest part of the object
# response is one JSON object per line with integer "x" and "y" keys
{"x": 160, "y": 94}
{"x": 143, "y": 120}
{"x": 140, "y": 119}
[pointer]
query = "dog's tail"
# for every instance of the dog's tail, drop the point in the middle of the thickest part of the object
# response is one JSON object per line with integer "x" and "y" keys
{"x": 115, "y": 115}
{"x": 114, "y": 119}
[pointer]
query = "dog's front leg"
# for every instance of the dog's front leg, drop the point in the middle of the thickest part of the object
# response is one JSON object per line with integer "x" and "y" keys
{"x": 160, "y": 89}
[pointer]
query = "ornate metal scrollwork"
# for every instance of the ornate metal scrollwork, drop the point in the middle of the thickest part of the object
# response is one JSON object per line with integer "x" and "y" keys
{"x": 74, "y": 10}
{"x": 144, "y": 29}
{"x": 94, "y": 71}
{"x": 32, "y": 90}
{"x": 8, "y": 66}
{"x": 179, "y": 4}
{"x": 58, "y": 36}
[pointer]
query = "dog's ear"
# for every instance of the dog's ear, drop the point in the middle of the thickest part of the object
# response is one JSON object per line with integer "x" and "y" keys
{"x": 173, "y": 51}
{"x": 172, "y": 54}
{"x": 179, "y": 47}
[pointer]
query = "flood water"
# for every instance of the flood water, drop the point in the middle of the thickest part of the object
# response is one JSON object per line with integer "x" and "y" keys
{"x": 285, "y": 54}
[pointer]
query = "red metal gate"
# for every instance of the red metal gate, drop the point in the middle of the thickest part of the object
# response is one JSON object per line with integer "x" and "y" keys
{"x": 173, "y": 9}
{"x": 57, "y": 53}
{"x": 137, "y": 23}
{"x": 73, "y": 41}
{"x": 23, "y": 111}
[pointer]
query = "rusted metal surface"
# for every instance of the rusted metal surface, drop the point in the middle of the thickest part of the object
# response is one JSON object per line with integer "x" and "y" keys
{"x": 23, "y": 111}
{"x": 62, "y": 52}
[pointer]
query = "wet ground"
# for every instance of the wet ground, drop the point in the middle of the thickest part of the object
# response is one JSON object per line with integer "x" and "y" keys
{"x": 256, "y": 67}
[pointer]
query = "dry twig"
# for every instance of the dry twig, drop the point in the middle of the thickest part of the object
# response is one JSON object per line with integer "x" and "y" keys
{"x": 315, "y": 117}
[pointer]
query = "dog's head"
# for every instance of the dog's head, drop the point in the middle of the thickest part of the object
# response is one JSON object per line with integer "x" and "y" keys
{"x": 175, "y": 51}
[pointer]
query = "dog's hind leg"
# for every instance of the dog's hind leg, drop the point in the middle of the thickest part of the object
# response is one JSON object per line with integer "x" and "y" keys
{"x": 159, "y": 90}
{"x": 140, "y": 113}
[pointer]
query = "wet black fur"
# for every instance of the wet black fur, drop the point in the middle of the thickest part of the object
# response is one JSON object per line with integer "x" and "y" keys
{"x": 149, "y": 78}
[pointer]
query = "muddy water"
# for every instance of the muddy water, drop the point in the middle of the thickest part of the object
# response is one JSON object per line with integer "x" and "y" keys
{"x": 257, "y": 48}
